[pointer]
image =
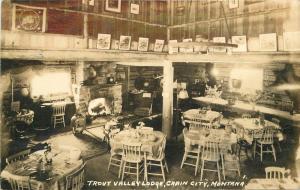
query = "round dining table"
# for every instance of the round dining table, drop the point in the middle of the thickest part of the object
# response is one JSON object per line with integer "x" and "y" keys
{"x": 199, "y": 136}
{"x": 150, "y": 143}
{"x": 251, "y": 126}
{"x": 201, "y": 115}
{"x": 65, "y": 161}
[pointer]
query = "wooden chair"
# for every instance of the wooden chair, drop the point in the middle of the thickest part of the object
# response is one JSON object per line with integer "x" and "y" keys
{"x": 23, "y": 182}
{"x": 18, "y": 156}
{"x": 276, "y": 173}
{"x": 210, "y": 153}
{"x": 277, "y": 141}
{"x": 132, "y": 155}
{"x": 230, "y": 161}
{"x": 75, "y": 181}
{"x": 265, "y": 141}
{"x": 58, "y": 114}
{"x": 159, "y": 161}
{"x": 242, "y": 144}
{"x": 115, "y": 158}
{"x": 246, "y": 116}
{"x": 190, "y": 152}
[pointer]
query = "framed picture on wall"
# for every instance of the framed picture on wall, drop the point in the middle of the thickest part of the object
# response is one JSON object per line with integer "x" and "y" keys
{"x": 134, "y": 8}
{"x": 241, "y": 41}
{"x": 113, "y": 5}
{"x": 171, "y": 45}
{"x": 219, "y": 49}
{"x": 29, "y": 18}
{"x": 143, "y": 44}
{"x": 159, "y": 45}
{"x": 103, "y": 41}
{"x": 268, "y": 42}
{"x": 124, "y": 43}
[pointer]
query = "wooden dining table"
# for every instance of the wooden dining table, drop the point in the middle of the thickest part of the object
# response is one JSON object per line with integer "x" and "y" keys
{"x": 203, "y": 115}
{"x": 252, "y": 125}
{"x": 150, "y": 143}
{"x": 51, "y": 176}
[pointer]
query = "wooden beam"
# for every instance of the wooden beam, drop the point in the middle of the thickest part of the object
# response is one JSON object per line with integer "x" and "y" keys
{"x": 82, "y": 55}
{"x": 167, "y": 118}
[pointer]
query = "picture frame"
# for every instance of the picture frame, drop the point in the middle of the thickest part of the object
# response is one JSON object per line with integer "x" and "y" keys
{"x": 241, "y": 41}
{"x": 219, "y": 40}
{"x": 291, "y": 41}
{"x": 233, "y": 4}
{"x": 187, "y": 49}
{"x": 103, "y": 41}
{"x": 113, "y": 5}
{"x": 28, "y": 18}
{"x": 143, "y": 44}
{"x": 125, "y": 42}
{"x": 171, "y": 48}
{"x": 268, "y": 42}
{"x": 134, "y": 8}
{"x": 159, "y": 45}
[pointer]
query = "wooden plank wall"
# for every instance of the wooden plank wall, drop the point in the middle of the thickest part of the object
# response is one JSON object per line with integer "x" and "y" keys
{"x": 65, "y": 22}
{"x": 250, "y": 18}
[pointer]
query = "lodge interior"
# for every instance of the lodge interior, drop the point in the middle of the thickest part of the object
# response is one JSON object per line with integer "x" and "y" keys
{"x": 82, "y": 81}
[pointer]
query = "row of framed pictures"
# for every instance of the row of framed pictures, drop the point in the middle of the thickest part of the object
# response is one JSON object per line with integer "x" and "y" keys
{"x": 104, "y": 42}
{"x": 267, "y": 42}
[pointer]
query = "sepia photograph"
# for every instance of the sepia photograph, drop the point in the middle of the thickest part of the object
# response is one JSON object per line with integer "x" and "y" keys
{"x": 150, "y": 94}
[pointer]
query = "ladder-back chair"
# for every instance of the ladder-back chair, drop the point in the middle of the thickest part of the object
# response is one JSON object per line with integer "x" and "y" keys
{"x": 58, "y": 114}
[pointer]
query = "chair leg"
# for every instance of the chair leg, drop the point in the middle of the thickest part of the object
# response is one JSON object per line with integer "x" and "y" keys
{"x": 183, "y": 159}
{"x": 120, "y": 169}
{"x": 167, "y": 169}
{"x": 223, "y": 167}
{"x": 274, "y": 153}
{"x": 109, "y": 163}
{"x": 197, "y": 164}
{"x": 261, "y": 152}
{"x": 218, "y": 167}
{"x": 162, "y": 170}
{"x": 124, "y": 165}
{"x": 137, "y": 172}
{"x": 202, "y": 167}
{"x": 145, "y": 169}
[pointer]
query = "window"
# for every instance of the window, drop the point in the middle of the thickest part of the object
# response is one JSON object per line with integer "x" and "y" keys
{"x": 50, "y": 84}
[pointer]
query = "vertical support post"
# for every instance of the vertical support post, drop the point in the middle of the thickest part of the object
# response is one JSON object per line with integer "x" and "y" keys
{"x": 208, "y": 19}
{"x": 168, "y": 34}
{"x": 167, "y": 115}
{"x": 85, "y": 31}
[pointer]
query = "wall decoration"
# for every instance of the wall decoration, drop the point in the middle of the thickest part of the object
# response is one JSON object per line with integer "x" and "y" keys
{"x": 134, "y": 45}
{"x": 159, "y": 45}
{"x": 115, "y": 44}
{"x": 233, "y": 4}
{"x": 171, "y": 48}
{"x": 268, "y": 42}
{"x": 29, "y": 18}
{"x": 143, "y": 44}
{"x": 187, "y": 49}
{"x": 219, "y": 40}
{"x": 291, "y": 41}
{"x": 125, "y": 42}
{"x": 103, "y": 41}
{"x": 113, "y": 5}
{"x": 241, "y": 41}
{"x": 134, "y": 8}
